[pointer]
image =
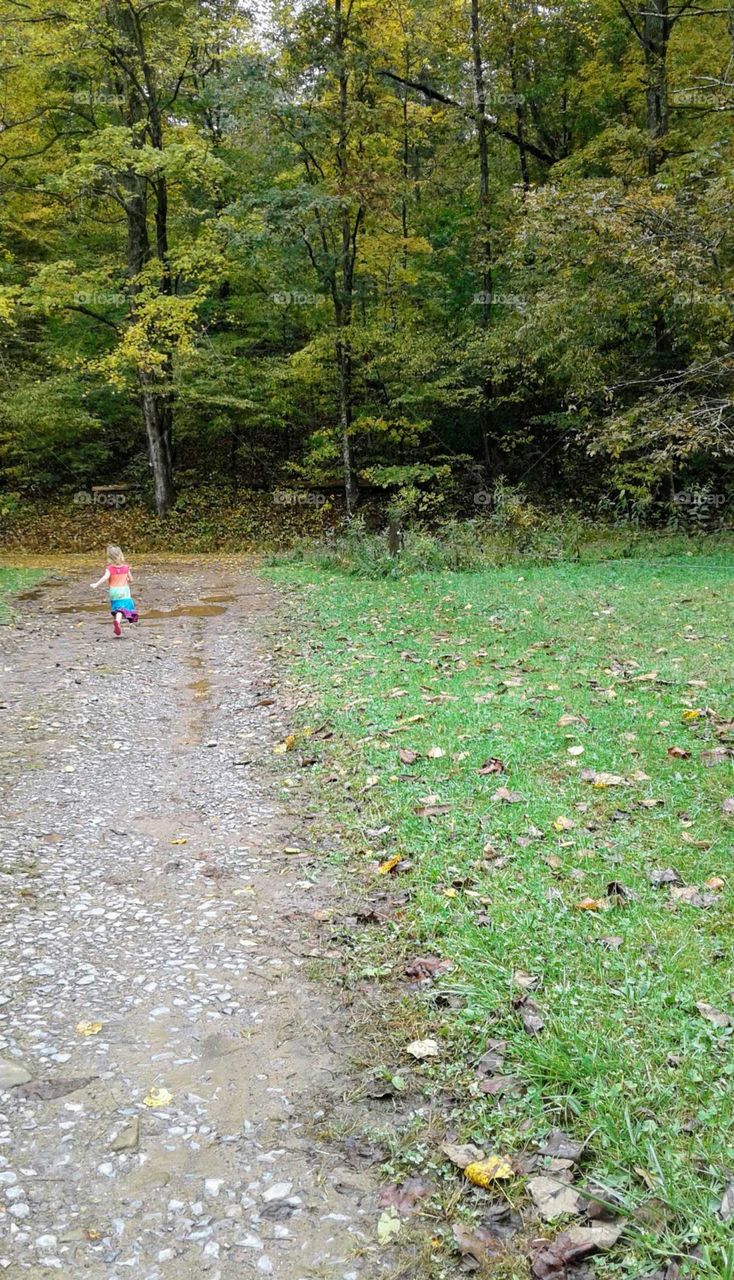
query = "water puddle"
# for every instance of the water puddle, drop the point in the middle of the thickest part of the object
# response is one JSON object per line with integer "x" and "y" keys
{"x": 186, "y": 611}
{"x": 95, "y": 607}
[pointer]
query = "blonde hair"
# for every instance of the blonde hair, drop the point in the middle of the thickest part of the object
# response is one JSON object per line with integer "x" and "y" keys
{"x": 114, "y": 554}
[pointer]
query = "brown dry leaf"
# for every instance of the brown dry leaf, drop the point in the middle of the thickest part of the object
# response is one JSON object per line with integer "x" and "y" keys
{"x": 493, "y": 1168}
{"x": 462, "y": 1154}
{"x": 679, "y": 753}
{"x": 509, "y": 797}
{"x": 554, "y": 862}
{"x": 692, "y": 897}
{"x": 726, "y": 1208}
{"x": 436, "y": 753}
{"x": 565, "y": 722}
{"x": 407, "y": 756}
{"x": 714, "y": 882}
{"x": 592, "y": 904}
{"x": 728, "y": 805}
{"x": 424, "y": 967}
{"x": 553, "y": 1257}
{"x": 432, "y": 810}
{"x": 713, "y": 1015}
{"x": 562, "y": 1145}
{"x": 422, "y": 1049}
{"x": 492, "y": 765}
{"x": 404, "y": 1198}
{"x": 667, "y": 876}
{"x": 476, "y": 1242}
{"x": 717, "y": 755}
{"x": 564, "y": 824}
{"x": 389, "y": 865}
{"x": 532, "y": 1017}
{"x": 496, "y": 1086}
{"x": 493, "y": 1058}
{"x": 525, "y": 980}
{"x": 553, "y": 1197}
{"x": 611, "y": 943}
{"x": 602, "y": 779}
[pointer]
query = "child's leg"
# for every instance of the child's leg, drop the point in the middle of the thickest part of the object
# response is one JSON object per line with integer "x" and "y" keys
{"x": 116, "y": 623}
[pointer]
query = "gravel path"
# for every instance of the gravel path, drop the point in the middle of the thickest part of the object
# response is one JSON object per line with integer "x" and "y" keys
{"x": 156, "y": 940}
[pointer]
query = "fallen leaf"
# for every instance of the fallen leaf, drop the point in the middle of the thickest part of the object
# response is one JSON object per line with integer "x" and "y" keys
{"x": 388, "y": 1226}
{"x": 714, "y": 882}
{"x": 615, "y": 889}
{"x": 552, "y": 1257}
{"x": 407, "y": 756}
{"x": 532, "y": 1018}
{"x": 422, "y": 1049}
{"x": 493, "y": 1058}
{"x": 424, "y": 967}
{"x": 492, "y": 765}
{"x": 692, "y": 897}
{"x": 492, "y": 1169}
{"x": 717, "y": 755}
{"x": 404, "y": 1197}
{"x": 553, "y": 1197}
{"x": 592, "y": 904}
{"x": 509, "y": 797}
{"x": 728, "y": 805}
{"x": 496, "y": 1086}
{"x": 180, "y": 840}
{"x": 389, "y": 865}
{"x": 436, "y": 753}
{"x": 726, "y": 1208}
{"x": 563, "y": 1146}
{"x": 679, "y": 753}
{"x": 713, "y": 1015}
{"x": 564, "y": 824}
{"x": 602, "y": 779}
{"x": 88, "y": 1028}
{"x": 476, "y": 1242}
{"x": 576, "y": 750}
{"x": 462, "y": 1154}
{"x": 667, "y": 876}
{"x": 158, "y": 1097}
{"x": 432, "y": 810}
{"x": 49, "y": 1089}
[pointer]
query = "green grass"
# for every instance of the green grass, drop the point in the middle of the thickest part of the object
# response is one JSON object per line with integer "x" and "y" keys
{"x": 625, "y": 1059}
{"x": 12, "y": 580}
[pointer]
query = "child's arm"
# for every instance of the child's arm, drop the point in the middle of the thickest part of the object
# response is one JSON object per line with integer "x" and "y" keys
{"x": 105, "y": 578}
{"x": 129, "y": 576}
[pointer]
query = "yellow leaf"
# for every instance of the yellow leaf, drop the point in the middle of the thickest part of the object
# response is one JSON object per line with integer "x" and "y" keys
{"x": 180, "y": 840}
{"x": 158, "y": 1098}
{"x": 389, "y": 865}
{"x": 484, "y": 1172}
{"x": 563, "y": 824}
{"x": 88, "y": 1028}
{"x": 592, "y": 904}
{"x": 688, "y": 716}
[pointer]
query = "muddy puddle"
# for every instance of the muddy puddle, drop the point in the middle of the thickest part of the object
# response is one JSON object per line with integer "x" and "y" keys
{"x": 186, "y": 611}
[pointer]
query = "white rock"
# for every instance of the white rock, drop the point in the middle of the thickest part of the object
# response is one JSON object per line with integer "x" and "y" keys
{"x": 278, "y": 1191}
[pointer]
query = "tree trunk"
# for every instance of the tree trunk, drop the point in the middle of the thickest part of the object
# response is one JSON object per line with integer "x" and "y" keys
{"x": 158, "y": 418}
{"x": 655, "y": 26}
{"x": 480, "y": 104}
{"x": 344, "y": 293}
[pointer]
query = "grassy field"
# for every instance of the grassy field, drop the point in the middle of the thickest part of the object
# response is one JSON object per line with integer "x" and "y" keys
{"x": 586, "y": 884}
{"x": 12, "y": 580}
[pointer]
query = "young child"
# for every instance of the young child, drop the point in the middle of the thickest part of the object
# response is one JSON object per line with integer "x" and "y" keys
{"x": 119, "y": 577}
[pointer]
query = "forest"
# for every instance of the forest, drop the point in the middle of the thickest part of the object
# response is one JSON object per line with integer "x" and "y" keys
{"x": 349, "y": 247}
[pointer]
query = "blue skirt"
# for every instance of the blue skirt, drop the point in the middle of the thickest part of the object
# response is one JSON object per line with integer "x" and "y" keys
{"x": 125, "y": 606}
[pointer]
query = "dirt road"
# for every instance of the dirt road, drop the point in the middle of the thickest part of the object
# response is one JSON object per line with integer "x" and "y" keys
{"x": 156, "y": 940}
